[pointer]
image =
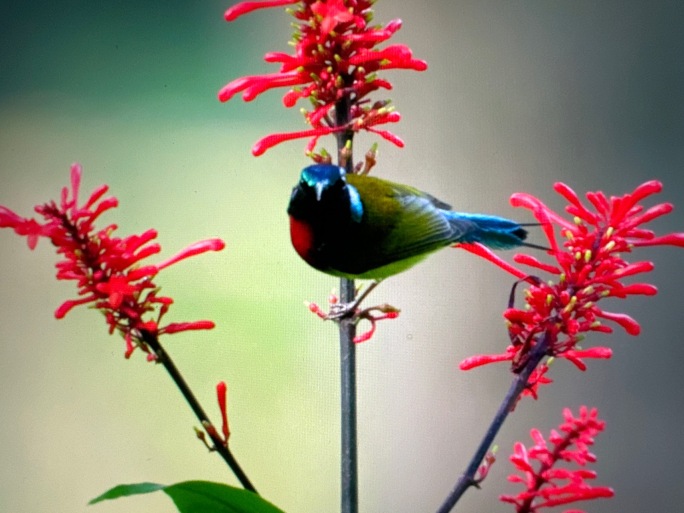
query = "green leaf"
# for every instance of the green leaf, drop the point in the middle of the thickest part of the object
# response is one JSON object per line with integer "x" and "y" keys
{"x": 203, "y": 497}
{"x": 126, "y": 490}
{"x": 199, "y": 497}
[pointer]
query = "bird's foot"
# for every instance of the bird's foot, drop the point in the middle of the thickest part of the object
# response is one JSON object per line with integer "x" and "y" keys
{"x": 338, "y": 311}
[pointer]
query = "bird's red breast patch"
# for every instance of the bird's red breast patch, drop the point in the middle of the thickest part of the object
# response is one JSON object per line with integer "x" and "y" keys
{"x": 301, "y": 235}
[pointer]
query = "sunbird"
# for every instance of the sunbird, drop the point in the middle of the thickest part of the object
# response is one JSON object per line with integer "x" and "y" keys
{"x": 363, "y": 227}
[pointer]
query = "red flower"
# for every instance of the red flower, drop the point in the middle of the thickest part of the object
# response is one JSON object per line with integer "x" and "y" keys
{"x": 107, "y": 269}
{"x": 589, "y": 265}
{"x": 335, "y": 58}
{"x": 221, "y": 390}
{"x": 548, "y": 485}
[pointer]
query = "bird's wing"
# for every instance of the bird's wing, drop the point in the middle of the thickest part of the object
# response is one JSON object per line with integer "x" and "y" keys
{"x": 402, "y": 190}
{"x": 421, "y": 227}
{"x": 409, "y": 222}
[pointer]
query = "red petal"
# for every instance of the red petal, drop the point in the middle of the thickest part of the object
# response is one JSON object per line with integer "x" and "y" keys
{"x": 671, "y": 239}
{"x": 533, "y": 262}
{"x": 76, "y": 172}
{"x": 487, "y": 254}
{"x": 238, "y": 10}
{"x": 483, "y": 359}
{"x": 271, "y": 140}
{"x": 68, "y": 305}
{"x": 177, "y": 327}
{"x": 194, "y": 249}
{"x": 628, "y": 324}
{"x": 572, "y": 198}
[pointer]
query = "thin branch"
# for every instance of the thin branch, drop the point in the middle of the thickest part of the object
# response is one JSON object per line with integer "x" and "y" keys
{"x": 164, "y": 358}
{"x": 517, "y": 386}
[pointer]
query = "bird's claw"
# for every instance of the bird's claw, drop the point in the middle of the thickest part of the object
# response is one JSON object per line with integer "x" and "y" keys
{"x": 339, "y": 311}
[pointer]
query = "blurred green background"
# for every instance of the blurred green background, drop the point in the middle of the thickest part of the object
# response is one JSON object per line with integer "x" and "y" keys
{"x": 518, "y": 95}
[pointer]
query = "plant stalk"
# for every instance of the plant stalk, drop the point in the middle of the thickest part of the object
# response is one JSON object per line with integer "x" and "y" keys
{"x": 519, "y": 383}
{"x": 347, "y": 329}
{"x": 164, "y": 358}
{"x": 349, "y": 459}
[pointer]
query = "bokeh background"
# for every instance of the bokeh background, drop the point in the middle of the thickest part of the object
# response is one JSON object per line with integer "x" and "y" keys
{"x": 518, "y": 95}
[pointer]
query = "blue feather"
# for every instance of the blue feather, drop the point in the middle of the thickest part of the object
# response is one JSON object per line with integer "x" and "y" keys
{"x": 495, "y": 232}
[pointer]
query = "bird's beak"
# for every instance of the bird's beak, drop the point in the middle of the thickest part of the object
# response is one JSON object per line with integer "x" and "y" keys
{"x": 319, "y": 190}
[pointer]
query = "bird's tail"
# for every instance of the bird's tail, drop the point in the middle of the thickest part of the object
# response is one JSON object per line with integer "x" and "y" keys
{"x": 492, "y": 231}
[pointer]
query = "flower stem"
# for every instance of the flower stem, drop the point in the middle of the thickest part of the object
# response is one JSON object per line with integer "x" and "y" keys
{"x": 348, "y": 404}
{"x": 164, "y": 358}
{"x": 347, "y": 327}
{"x": 519, "y": 383}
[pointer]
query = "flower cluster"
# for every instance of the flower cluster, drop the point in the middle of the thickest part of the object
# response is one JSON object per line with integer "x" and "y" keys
{"x": 107, "y": 269}
{"x": 549, "y": 485}
{"x": 589, "y": 266}
{"x": 336, "y": 59}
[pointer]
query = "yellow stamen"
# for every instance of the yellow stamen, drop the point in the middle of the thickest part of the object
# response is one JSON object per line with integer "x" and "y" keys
{"x": 571, "y": 305}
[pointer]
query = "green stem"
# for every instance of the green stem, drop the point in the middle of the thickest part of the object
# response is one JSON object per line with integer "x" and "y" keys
{"x": 349, "y": 457}
{"x": 517, "y": 386}
{"x": 164, "y": 358}
{"x": 347, "y": 327}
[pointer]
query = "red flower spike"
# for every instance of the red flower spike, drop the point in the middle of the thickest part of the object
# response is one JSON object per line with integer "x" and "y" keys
{"x": 588, "y": 265}
{"x": 335, "y": 57}
{"x": 546, "y": 482}
{"x": 106, "y": 268}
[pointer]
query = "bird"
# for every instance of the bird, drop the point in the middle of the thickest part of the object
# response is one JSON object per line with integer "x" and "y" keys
{"x": 363, "y": 227}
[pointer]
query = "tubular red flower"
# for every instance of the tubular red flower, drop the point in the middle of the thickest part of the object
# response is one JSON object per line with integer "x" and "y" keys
{"x": 483, "y": 359}
{"x": 177, "y": 327}
{"x": 546, "y": 483}
{"x": 107, "y": 268}
{"x": 192, "y": 250}
{"x": 221, "y": 393}
{"x": 487, "y": 254}
{"x": 246, "y": 7}
{"x": 271, "y": 140}
{"x": 588, "y": 265}
{"x": 335, "y": 57}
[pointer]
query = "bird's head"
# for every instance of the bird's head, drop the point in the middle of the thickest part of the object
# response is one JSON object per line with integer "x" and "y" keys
{"x": 326, "y": 184}
{"x": 322, "y": 177}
